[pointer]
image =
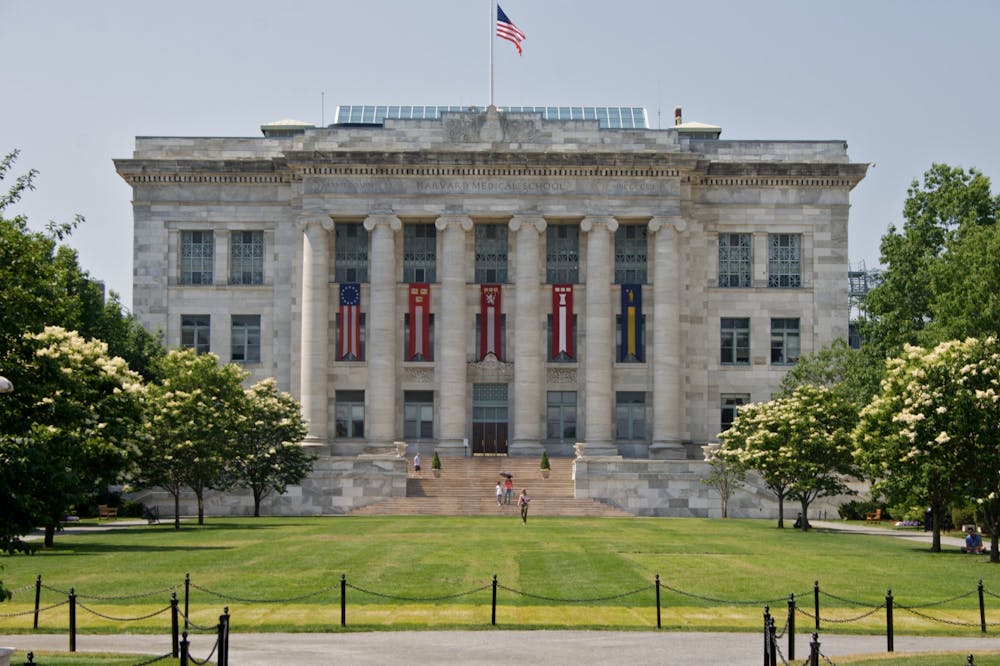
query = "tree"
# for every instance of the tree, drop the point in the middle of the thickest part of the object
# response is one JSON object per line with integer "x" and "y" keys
{"x": 724, "y": 476}
{"x": 190, "y": 425}
{"x": 266, "y": 456}
{"x": 845, "y": 371}
{"x": 931, "y": 436}
{"x": 799, "y": 444}
{"x": 80, "y": 416}
{"x": 922, "y": 281}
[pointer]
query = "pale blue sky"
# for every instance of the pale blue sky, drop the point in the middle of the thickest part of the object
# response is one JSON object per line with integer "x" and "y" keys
{"x": 906, "y": 83}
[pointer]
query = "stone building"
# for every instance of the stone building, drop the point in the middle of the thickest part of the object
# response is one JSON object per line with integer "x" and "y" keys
{"x": 497, "y": 280}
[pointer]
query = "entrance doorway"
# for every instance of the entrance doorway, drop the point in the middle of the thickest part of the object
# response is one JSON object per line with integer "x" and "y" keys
{"x": 489, "y": 419}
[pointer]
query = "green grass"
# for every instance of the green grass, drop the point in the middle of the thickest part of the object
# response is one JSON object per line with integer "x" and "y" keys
{"x": 935, "y": 659}
{"x": 81, "y": 659}
{"x": 424, "y": 566}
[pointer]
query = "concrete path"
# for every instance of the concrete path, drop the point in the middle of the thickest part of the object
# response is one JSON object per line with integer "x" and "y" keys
{"x": 488, "y": 648}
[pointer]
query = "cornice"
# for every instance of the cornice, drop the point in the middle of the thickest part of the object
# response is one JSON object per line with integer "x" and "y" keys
{"x": 781, "y": 174}
{"x": 223, "y": 172}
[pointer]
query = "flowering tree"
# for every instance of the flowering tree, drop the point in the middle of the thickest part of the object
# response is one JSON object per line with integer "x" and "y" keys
{"x": 799, "y": 444}
{"x": 266, "y": 456}
{"x": 931, "y": 435}
{"x": 78, "y": 420}
{"x": 724, "y": 476}
{"x": 190, "y": 425}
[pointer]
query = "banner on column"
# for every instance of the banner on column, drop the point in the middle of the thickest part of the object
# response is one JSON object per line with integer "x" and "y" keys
{"x": 631, "y": 324}
{"x": 420, "y": 305}
{"x": 562, "y": 321}
{"x": 489, "y": 321}
{"x": 350, "y": 322}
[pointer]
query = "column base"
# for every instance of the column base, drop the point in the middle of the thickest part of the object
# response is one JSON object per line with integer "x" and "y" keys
{"x": 668, "y": 450}
{"x": 450, "y": 448}
{"x": 315, "y": 445}
{"x": 524, "y": 448}
{"x": 593, "y": 449}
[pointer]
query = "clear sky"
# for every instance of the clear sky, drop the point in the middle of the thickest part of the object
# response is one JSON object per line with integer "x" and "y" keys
{"x": 905, "y": 82}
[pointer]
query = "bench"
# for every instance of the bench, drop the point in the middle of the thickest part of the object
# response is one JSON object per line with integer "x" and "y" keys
{"x": 105, "y": 511}
{"x": 874, "y": 517}
{"x": 151, "y": 514}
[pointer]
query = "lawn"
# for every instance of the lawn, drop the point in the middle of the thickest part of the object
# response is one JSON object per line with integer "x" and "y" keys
{"x": 284, "y": 574}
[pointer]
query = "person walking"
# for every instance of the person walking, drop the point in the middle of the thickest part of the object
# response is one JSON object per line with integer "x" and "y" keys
{"x": 508, "y": 490}
{"x": 499, "y": 495}
{"x": 522, "y": 502}
{"x": 416, "y": 463}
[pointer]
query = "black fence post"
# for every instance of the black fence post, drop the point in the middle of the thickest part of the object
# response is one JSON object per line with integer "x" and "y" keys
{"x": 888, "y": 620}
{"x": 174, "y": 626}
{"x": 185, "y": 648}
{"x": 767, "y": 636}
{"x": 791, "y": 626}
{"x": 187, "y": 597}
{"x": 772, "y": 633}
{"x": 814, "y": 651}
{"x": 816, "y": 603}
{"x": 659, "y": 625}
{"x": 969, "y": 661}
{"x": 982, "y": 608}
{"x": 343, "y": 600}
{"x": 38, "y": 597}
{"x": 72, "y": 620}
{"x": 223, "y": 659}
{"x": 493, "y": 612}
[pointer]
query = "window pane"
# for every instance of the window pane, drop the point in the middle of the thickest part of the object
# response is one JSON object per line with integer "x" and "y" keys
{"x": 197, "y": 254}
{"x": 246, "y": 257}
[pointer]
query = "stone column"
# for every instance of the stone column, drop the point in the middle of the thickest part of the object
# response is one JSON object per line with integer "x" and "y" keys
{"x": 668, "y": 420}
{"x": 529, "y": 359}
{"x": 452, "y": 382}
{"x": 380, "y": 400}
{"x": 599, "y": 349}
{"x": 315, "y": 326}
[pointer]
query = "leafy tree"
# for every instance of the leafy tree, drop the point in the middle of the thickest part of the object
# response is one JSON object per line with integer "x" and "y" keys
{"x": 799, "y": 444}
{"x": 191, "y": 423}
{"x": 923, "y": 283}
{"x": 724, "y": 476}
{"x": 266, "y": 456}
{"x": 930, "y": 437}
{"x": 845, "y": 371}
{"x": 80, "y": 415}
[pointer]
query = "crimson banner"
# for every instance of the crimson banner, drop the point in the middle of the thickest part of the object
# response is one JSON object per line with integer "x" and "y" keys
{"x": 420, "y": 306}
{"x": 562, "y": 320}
{"x": 489, "y": 320}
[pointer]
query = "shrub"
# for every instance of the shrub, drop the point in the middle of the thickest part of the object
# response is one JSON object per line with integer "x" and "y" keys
{"x": 544, "y": 464}
{"x": 436, "y": 462}
{"x": 858, "y": 509}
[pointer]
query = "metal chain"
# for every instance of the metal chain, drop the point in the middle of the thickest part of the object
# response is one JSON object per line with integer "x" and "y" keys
{"x": 191, "y": 623}
{"x": 154, "y": 660}
{"x": 845, "y": 620}
{"x": 112, "y": 598}
{"x": 123, "y": 619}
{"x": 723, "y": 601}
{"x": 32, "y": 611}
{"x": 912, "y": 609}
{"x": 592, "y": 599}
{"x": 210, "y": 655}
{"x": 263, "y": 601}
{"x": 944, "y": 601}
{"x": 399, "y": 598}
{"x": 845, "y": 600}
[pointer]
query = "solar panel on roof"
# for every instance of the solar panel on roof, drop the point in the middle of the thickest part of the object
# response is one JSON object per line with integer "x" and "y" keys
{"x": 615, "y": 117}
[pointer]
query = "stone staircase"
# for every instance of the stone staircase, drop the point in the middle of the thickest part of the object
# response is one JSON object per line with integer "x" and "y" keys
{"x": 467, "y": 487}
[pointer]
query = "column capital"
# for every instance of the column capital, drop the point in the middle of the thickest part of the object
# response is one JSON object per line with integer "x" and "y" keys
{"x": 306, "y": 221}
{"x": 593, "y": 222}
{"x": 387, "y": 219}
{"x": 668, "y": 223}
{"x": 526, "y": 222}
{"x": 462, "y": 222}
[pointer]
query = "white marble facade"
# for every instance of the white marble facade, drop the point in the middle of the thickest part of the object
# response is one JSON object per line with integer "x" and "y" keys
{"x": 454, "y": 173}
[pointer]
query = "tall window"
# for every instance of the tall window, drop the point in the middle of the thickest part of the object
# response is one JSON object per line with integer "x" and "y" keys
{"x": 735, "y": 257}
{"x": 197, "y": 252}
{"x": 730, "y": 403}
{"x": 785, "y": 347}
{"x": 245, "y": 338}
{"x": 735, "y": 341}
{"x": 420, "y": 253}
{"x": 562, "y": 254}
{"x": 418, "y": 414}
{"x": 350, "y": 413}
{"x": 196, "y": 333}
{"x": 631, "y": 249}
{"x": 246, "y": 257}
{"x": 560, "y": 416}
{"x": 491, "y": 253}
{"x": 350, "y": 258}
{"x": 784, "y": 261}
{"x": 630, "y": 415}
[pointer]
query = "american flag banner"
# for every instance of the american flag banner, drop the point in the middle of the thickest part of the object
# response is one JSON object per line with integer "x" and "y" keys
{"x": 350, "y": 322}
{"x": 631, "y": 323}
{"x": 489, "y": 320}
{"x": 507, "y": 30}
{"x": 420, "y": 304}
{"x": 562, "y": 320}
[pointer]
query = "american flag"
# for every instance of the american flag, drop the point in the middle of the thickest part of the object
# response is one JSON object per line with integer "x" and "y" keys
{"x": 350, "y": 322}
{"x": 507, "y": 30}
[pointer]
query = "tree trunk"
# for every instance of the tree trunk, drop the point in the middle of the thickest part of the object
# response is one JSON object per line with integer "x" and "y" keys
{"x": 805, "y": 515}
{"x": 201, "y": 507}
{"x": 256, "y": 503}
{"x": 994, "y": 543}
{"x": 936, "y": 533}
{"x": 781, "y": 511}
{"x": 50, "y": 536}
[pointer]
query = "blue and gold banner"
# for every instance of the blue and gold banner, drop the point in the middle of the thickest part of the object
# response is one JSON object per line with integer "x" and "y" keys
{"x": 631, "y": 324}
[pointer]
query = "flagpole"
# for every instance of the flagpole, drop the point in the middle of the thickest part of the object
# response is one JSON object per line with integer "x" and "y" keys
{"x": 493, "y": 19}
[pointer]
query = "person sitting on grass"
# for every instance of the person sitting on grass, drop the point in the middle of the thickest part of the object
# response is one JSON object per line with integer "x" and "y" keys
{"x": 973, "y": 542}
